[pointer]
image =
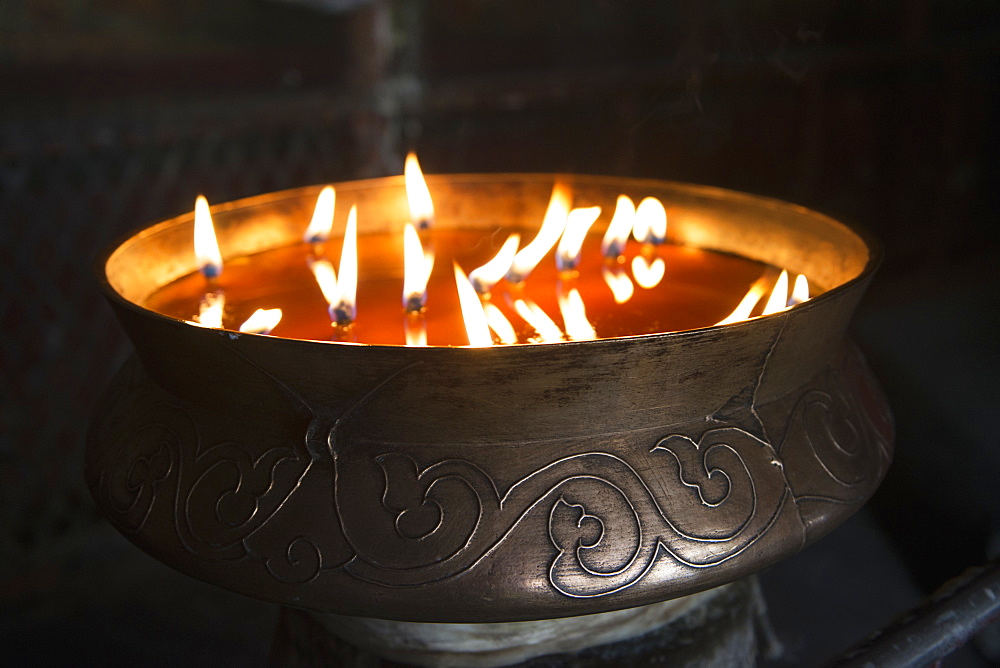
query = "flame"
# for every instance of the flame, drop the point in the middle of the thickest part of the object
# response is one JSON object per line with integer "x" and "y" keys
{"x": 322, "y": 220}
{"x": 746, "y": 305}
{"x": 620, "y": 284}
{"x": 578, "y": 222}
{"x": 574, "y": 315}
{"x": 552, "y": 228}
{"x": 262, "y": 321}
{"x": 347, "y": 287}
{"x": 800, "y": 291}
{"x": 210, "y": 309}
{"x": 476, "y": 326}
{"x": 417, "y": 270}
{"x": 620, "y": 227}
{"x": 206, "y": 246}
{"x": 417, "y": 194}
{"x": 650, "y": 222}
{"x": 778, "y": 301}
{"x": 415, "y": 328}
{"x": 326, "y": 278}
{"x": 485, "y": 277}
{"x": 499, "y": 323}
{"x": 548, "y": 331}
{"x": 648, "y": 274}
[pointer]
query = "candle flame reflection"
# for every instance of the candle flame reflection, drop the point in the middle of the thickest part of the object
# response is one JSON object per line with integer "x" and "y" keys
{"x": 620, "y": 284}
{"x": 778, "y": 301}
{"x": 578, "y": 223}
{"x": 548, "y": 331}
{"x": 417, "y": 194}
{"x": 206, "y": 246}
{"x": 485, "y": 277}
{"x": 415, "y": 329}
{"x": 476, "y": 325}
{"x": 499, "y": 323}
{"x": 648, "y": 274}
{"x": 552, "y": 228}
{"x": 574, "y": 315}
{"x": 417, "y": 266}
{"x": 322, "y": 219}
{"x": 262, "y": 321}
{"x": 650, "y": 222}
{"x": 613, "y": 244}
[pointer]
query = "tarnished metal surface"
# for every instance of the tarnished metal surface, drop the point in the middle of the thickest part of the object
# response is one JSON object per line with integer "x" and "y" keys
{"x": 510, "y": 483}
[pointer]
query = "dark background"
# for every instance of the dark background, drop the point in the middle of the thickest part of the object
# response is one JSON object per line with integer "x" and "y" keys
{"x": 114, "y": 114}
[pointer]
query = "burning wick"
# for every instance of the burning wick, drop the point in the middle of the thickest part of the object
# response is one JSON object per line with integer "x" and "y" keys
{"x": 485, "y": 277}
{"x": 778, "y": 301}
{"x": 344, "y": 311}
{"x": 476, "y": 325}
{"x": 574, "y": 316}
{"x": 262, "y": 321}
{"x": 206, "y": 246}
{"x": 417, "y": 193}
{"x": 800, "y": 291}
{"x": 552, "y": 228}
{"x": 650, "y": 222}
{"x": 548, "y": 331}
{"x": 417, "y": 266}
{"x": 578, "y": 223}
{"x": 210, "y": 310}
{"x": 613, "y": 245}
{"x": 319, "y": 228}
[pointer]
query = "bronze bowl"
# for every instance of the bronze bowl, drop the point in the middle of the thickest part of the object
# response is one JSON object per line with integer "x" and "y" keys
{"x": 497, "y": 484}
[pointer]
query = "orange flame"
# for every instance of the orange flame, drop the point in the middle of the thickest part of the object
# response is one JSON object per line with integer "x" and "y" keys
{"x": 344, "y": 311}
{"x": 650, "y": 222}
{"x": 552, "y": 228}
{"x": 476, "y": 326}
{"x": 800, "y": 290}
{"x": 417, "y": 266}
{"x": 206, "y": 246}
{"x": 574, "y": 315}
{"x": 322, "y": 219}
{"x": 778, "y": 301}
{"x": 620, "y": 284}
{"x": 262, "y": 321}
{"x": 485, "y": 277}
{"x": 211, "y": 308}
{"x": 499, "y": 323}
{"x": 746, "y": 305}
{"x": 648, "y": 274}
{"x": 578, "y": 223}
{"x": 417, "y": 193}
{"x": 548, "y": 331}
{"x": 619, "y": 229}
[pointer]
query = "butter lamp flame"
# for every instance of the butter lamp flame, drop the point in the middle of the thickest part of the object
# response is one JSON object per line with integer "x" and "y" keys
{"x": 417, "y": 266}
{"x": 417, "y": 194}
{"x": 574, "y": 315}
{"x": 548, "y": 331}
{"x": 613, "y": 244}
{"x": 322, "y": 219}
{"x": 778, "y": 301}
{"x": 746, "y": 305}
{"x": 499, "y": 323}
{"x": 262, "y": 321}
{"x": 650, "y": 222}
{"x": 344, "y": 310}
{"x": 476, "y": 325}
{"x": 578, "y": 223}
{"x": 548, "y": 236}
{"x": 485, "y": 277}
{"x": 800, "y": 290}
{"x": 206, "y": 246}
{"x": 211, "y": 309}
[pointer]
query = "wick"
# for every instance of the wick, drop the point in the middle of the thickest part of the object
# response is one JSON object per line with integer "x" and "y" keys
{"x": 424, "y": 223}
{"x": 415, "y": 304}
{"x": 342, "y": 314}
